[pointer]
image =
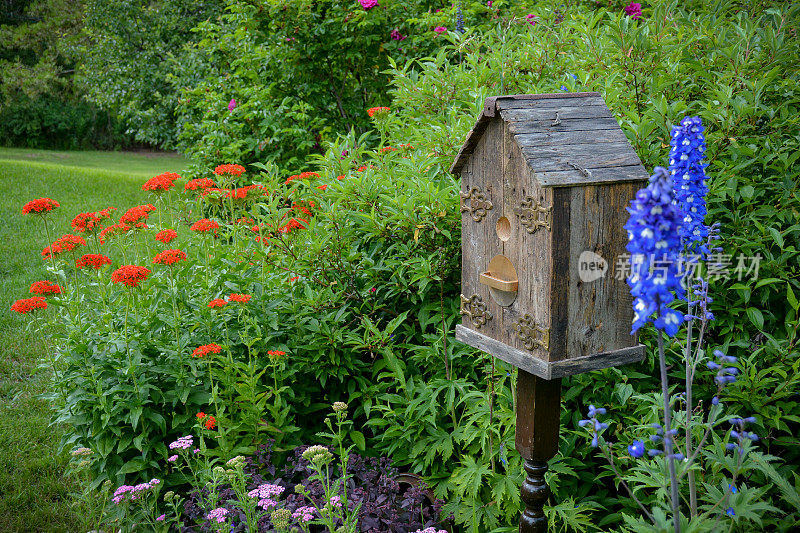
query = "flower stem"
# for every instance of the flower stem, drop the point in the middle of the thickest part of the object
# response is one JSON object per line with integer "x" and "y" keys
{"x": 673, "y": 478}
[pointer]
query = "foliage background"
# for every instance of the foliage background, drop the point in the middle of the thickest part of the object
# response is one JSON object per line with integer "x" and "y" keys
{"x": 435, "y": 406}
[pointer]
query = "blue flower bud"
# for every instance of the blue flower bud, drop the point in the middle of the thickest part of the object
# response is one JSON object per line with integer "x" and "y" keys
{"x": 750, "y": 420}
{"x": 653, "y": 453}
{"x": 584, "y": 423}
{"x": 594, "y": 442}
{"x": 636, "y": 449}
{"x": 730, "y": 512}
{"x": 714, "y": 401}
{"x": 732, "y": 488}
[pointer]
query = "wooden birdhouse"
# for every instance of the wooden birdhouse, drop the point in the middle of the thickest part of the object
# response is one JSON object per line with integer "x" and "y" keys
{"x": 545, "y": 182}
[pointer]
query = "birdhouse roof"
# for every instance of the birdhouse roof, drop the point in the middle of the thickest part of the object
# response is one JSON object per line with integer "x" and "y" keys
{"x": 567, "y": 139}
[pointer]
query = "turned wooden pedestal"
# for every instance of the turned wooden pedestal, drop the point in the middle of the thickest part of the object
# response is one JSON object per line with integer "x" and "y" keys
{"x": 538, "y": 421}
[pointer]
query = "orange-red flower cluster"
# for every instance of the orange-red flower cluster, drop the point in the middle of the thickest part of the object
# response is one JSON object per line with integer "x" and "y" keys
{"x": 29, "y": 304}
{"x": 372, "y": 111}
{"x": 241, "y": 298}
{"x": 120, "y": 228}
{"x": 302, "y": 208}
{"x": 130, "y": 275}
{"x": 294, "y": 223}
{"x": 137, "y": 214}
{"x": 388, "y": 149}
{"x": 232, "y": 170}
{"x": 199, "y": 183}
{"x": 209, "y": 422}
{"x": 323, "y": 187}
{"x": 204, "y": 225}
{"x": 301, "y": 176}
{"x": 66, "y": 243}
{"x": 91, "y": 222}
{"x": 166, "y": 235}
{"x": 169, "y": 257}
{"x": 95, "y": 261}
{"x": 407, "y": 146}
{"x": 275, "y": 354}
{"x": 40, "y": 206}
{"x": 44, "y": 288}
{"x": 161, "y": 183}
{"x": 202, "y": 351}
{"x": 217, "y": 302}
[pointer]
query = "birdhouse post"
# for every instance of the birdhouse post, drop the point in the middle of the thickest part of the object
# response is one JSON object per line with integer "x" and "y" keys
{"x": 545, "y": 182}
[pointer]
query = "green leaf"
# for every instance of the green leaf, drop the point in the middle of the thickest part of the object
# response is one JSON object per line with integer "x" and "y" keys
{"x": 134, "y": 465}
{"x": 756, "y": 317}
{"x": 359, "y": 440}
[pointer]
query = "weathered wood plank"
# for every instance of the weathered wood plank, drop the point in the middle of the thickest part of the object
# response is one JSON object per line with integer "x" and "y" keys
{"x": 585, "y": 155}
{"x": 598, "y": 361}
{"x": 545, "y": 369}
{"x": 600, "y": 306}
{"x": 574, "y": 177}
{"x": 564, "y": 113}
{"x": 546, "y": 126}
{"x": 559, "y": 274}
{"x": 549, "y": 103}
{"x": 502, "y": 351}
{"x": 564, "y": 138}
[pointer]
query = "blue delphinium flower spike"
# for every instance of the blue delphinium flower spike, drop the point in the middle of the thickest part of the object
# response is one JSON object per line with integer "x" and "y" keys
{"x": 654, "y": 244}
{"x": 688, "y": 171}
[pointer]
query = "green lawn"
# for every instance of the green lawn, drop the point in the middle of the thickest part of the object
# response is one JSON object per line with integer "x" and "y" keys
{"x": 34, "y": 493}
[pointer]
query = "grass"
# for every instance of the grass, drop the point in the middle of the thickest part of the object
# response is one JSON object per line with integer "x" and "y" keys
{"x": 34, "y": 488}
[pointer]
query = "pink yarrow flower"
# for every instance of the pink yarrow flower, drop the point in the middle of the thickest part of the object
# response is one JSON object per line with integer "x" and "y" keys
{"x": 183, "y": 443}
{"x": 368, "y": 4}
{"x": 304, "y": 514}
{"x": 172, "y": 458}
{"x": 396, "y": 35}
{"x": 440, "y": 29}
{"x": 161, "y": 518}
{"x": 217, "y": 514}
{"x": 634, "y": 10}
{"x": 232, "y": 105}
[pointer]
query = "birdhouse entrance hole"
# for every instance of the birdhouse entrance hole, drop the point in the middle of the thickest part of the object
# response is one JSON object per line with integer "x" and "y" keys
{"x": 503, "y": 229}
{"x": 502, "y": 280}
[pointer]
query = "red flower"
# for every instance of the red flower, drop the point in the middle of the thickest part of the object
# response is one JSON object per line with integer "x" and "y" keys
{"x": 119, "y": 228}
{"x": 323, "y": 187}
{"x": 66, "y": 243}
{"x": 275, "y": 354}
{"x": 201, "y": 415}
{"x": 25, "y": 306}
{"x": 91, "y": 222}
{"x": 241, "y": 298}
{"x": 243, "y": 193}
{"x": 232, "y": 170}
{"x": 204, "y": 225}
{"x": 199, "y": 183}
{"x": 407, "y": 146}
{"x": 137, "y": 214}
{"x": 202, "y": 351}
{"x": 388, "y": 149}
{"x": 130, "y": 275}
{"x": 210, "y": 422}
{"x": 377, "y": 110}
{"x": 301, "y": 176}
{"x": 160, "y": 183}
{"x": 95, "y": 261}
{"x": 218, "y": 302}
{"x": 292, "y": 280}
{"x": 340, "y": 177}
{"x": 303, "y": 209}
{"x": 166, "y": 235}
{"x": 169, "y": 257}
{"x": 40, "y": 206}
{"x": 294, "y": 223}
{"x": 44, "y": 288}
